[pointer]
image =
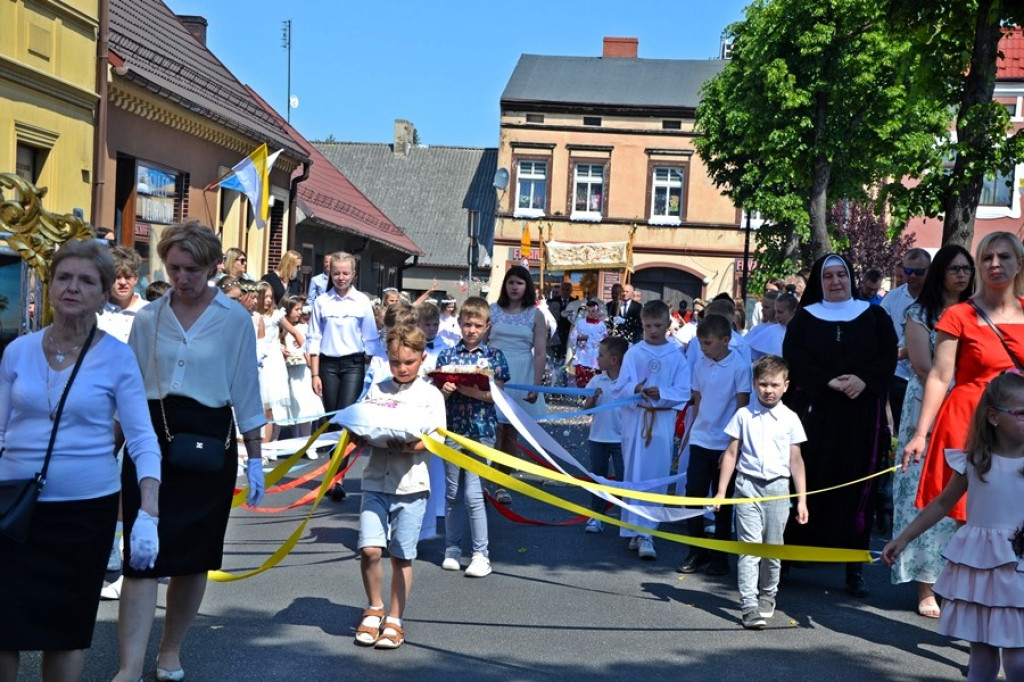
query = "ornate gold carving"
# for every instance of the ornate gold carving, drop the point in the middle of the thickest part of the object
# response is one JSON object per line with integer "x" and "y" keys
{"x": 32, "y": 231}
{"x": 589, "y": 256}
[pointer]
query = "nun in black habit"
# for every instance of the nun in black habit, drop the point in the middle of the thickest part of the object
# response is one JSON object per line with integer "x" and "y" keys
{"x": 842, "y": 355}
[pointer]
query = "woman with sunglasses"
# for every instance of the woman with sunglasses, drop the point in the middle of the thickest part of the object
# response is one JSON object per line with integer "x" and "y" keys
{"x": 950, "y": 280}
{"x": 974, "y": 341}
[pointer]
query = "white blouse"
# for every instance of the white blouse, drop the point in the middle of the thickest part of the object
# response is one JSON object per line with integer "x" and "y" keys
{"x": 83, "y": 465}
{"x": 214, "y": 362}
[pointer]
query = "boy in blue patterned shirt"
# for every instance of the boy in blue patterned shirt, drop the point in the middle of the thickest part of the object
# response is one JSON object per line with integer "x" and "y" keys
{"x": 471, "y": 413}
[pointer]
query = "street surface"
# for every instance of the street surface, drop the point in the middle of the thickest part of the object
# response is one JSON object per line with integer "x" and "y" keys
{"x": 561, "y": 604}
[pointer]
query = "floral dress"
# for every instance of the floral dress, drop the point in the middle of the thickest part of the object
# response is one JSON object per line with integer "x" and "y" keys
{"x": 922, "y": 560}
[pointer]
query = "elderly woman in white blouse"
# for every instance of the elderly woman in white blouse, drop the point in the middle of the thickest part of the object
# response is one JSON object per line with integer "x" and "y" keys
{"x": 50, "y": 584}
{"x": 197, "y": 352}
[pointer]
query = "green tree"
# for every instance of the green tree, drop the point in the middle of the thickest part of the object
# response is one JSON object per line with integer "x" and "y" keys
{"x": 957, "y": 41}
{"x": 816, "y": 103}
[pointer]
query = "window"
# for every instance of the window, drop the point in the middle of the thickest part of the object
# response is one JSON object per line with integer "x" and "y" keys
{"x": 29, "y": 162}
{"x": 996, "y": 191}
{"x": 667, "y": 196}
{"x": 588, "y": 197}
{"x": 535, "y": 118}
{"x": 591, "y": 120}
{"x": 531, "y": 189}
{"x": 671, "y": 125}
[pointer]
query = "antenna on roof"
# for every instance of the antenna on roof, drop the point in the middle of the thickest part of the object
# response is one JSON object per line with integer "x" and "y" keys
{"x": 501, "y": 179}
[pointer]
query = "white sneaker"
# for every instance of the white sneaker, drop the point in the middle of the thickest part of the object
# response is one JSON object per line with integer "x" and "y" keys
{"x": 646, "y": 549}
{"x": 112, "y": 591}
{"x": 634, "y": 543}
{"x": 479, "y": 567}
{"x": 593, "y": 526}
{"x": 452, "y": 559}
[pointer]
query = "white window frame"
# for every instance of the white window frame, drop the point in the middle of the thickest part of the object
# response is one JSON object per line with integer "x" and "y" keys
{"x": 667, "y": 185}
{"x": 531, "y": 177}
{"x": 993, "y": 184}
{"x": 590, "y": 180}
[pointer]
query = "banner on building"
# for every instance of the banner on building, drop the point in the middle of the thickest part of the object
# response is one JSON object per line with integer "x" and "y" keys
{"x": 589, "y": 256}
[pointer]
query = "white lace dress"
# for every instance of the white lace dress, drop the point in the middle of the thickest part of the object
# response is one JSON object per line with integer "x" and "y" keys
{"x": 304, "y": 402}
{"x": 513, "y": 336}
{"x": 274, "y": 387}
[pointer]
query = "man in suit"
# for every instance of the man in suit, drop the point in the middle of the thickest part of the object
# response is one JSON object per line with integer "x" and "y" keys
{"x": 623, "y": 305}
{"x": 557, "y": 305}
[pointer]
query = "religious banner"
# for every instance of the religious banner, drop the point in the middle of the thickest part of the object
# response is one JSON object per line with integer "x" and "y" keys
{"x": 588, "y": 256}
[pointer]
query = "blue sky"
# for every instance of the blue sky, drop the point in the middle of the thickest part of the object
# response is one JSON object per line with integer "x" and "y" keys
{"x": 356, "y": 66}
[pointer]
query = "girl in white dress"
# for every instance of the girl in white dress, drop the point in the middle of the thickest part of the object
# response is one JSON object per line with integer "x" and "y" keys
{"x": 518, "y": 330}
{"x": 304, "y": 402}
{"x": 273, "y": 372}
{"x": 448, "y": 328}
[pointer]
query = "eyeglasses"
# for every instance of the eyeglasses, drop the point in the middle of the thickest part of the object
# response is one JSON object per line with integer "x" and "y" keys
{"x": 914, "y": 271}
{"x": 960, "y": 269}
{"x": 1016, "y": 412}
{"x": 241, "y": 260}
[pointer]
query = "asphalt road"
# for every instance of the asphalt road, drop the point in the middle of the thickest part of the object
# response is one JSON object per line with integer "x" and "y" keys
{"x": 561, "y": 604}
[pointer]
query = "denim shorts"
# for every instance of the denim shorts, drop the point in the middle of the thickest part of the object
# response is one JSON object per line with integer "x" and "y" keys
{"x": 400, "y": 517}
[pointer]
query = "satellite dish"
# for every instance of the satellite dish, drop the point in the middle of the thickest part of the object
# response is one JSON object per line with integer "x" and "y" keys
{"x": 501, "y": 179}
{"x": 293, "y": 102}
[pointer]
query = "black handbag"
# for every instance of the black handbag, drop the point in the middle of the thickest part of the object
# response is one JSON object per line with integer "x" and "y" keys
{"x": 189, "y": 451}
{"x": 18, "y": 496}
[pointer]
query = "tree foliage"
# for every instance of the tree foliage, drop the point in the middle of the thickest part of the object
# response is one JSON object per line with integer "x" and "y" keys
{"x": 816, "y": 103}
{"x": 863, "y": 236}
{"x": 958, "y": 42}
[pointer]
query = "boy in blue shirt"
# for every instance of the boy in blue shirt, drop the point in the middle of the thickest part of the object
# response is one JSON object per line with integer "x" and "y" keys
{"x": 470, "y": 412}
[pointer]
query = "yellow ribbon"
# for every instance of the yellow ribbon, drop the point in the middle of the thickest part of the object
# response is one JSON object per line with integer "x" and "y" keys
{"x": 278, "y": 472}
{"x": 274, "y": 559}
{"x": 507, "y": 460}
{"x": 786, "y": 552}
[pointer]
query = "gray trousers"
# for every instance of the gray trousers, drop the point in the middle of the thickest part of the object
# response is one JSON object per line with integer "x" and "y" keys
{"x": 762, "y": 522}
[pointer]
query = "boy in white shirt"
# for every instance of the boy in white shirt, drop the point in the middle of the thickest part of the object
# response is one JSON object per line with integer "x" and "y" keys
{"x": 721, "y": 385}
{"x": 658, "y": 371}
{"x": 396, "y": 486}
{"x": 605, "y": 440}
{"x": 764, "y": 452}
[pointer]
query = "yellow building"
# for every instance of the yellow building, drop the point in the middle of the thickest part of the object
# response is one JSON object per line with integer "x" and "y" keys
{"x": 595, "y": 146}
{"x": 48, "y": 97}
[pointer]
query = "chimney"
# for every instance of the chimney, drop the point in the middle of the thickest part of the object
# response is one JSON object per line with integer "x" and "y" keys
{"x": 620, "y": 47}
{"x": 196, "y": 25}
{"x": 405, "y": 136}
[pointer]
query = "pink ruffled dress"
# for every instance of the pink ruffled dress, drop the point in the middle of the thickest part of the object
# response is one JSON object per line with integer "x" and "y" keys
{"x": 982, "y": 586}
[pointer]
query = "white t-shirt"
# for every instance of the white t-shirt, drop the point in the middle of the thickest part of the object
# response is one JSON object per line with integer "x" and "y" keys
{"x": 82, "y": 465}
{"x": 765, "y": 437}
{"x": 718, "y": 383}
{"x": 117, "y": 321}
{"x": 606, "y": 427}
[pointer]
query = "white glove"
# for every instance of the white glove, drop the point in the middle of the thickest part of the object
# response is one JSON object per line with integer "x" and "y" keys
{"x": 254, "y": 474}
{"x": 145, "y": 542}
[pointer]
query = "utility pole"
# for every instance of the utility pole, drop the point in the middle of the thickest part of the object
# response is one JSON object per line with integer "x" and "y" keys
{"x": 286, "y": 43}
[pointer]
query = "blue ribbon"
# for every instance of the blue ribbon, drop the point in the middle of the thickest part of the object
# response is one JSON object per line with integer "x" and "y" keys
{"x": 579, "y": 392}
{"x": 615, "y": 404}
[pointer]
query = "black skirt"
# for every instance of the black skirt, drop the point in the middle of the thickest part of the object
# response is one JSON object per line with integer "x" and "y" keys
{"x": 194, "y": 505}
{"x": 50, "y": 586}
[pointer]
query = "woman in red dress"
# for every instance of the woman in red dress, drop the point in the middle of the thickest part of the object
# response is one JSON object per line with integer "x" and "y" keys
{"x": 968, "y": 352}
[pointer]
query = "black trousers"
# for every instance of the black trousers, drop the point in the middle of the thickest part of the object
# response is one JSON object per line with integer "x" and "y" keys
{"x": 342, "y": 380}
{"x": 701, "y": 476}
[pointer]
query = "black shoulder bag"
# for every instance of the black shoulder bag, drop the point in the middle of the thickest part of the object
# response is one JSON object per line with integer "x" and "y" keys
{"x": 18, "y": 496}
{"x": 985, "y": 318}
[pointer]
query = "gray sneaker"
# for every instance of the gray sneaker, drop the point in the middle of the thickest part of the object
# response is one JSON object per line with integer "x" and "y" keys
{"x": 452, "y": 559}
{"x": 752, "y": 620}
{"x": 766, "y": 606}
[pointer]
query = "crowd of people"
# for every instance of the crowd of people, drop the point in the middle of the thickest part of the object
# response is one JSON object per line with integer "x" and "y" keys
{"x": 831, "y": 372}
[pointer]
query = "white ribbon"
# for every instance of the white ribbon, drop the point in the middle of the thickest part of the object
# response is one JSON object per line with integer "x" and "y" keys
{"x": 542, "y": 442}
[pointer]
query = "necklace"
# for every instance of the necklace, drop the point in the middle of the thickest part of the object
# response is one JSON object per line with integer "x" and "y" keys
{"x": 50, "y": 385}
{"x": 58, "y": 354}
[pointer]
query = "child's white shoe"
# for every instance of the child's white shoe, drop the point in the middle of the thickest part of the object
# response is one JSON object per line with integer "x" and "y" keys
{"x": 452, "y": 559}
{"x": 593, "y": 526}
{"x": 479, "y": 567}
